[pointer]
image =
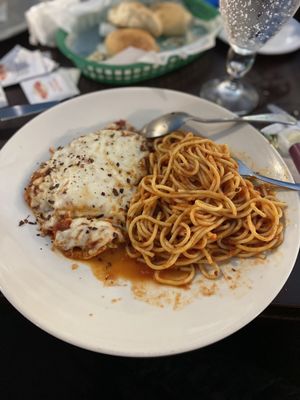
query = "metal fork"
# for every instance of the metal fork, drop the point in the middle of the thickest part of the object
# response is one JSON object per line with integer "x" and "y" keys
{"x": 246, "y": 171}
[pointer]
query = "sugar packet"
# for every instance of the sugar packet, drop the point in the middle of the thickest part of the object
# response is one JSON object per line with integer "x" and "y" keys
{"x": 20, "y": 64}
{"x": 58, "y": 85}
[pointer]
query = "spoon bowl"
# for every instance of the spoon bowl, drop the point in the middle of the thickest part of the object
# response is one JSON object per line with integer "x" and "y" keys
{"x": 164, "y": 124}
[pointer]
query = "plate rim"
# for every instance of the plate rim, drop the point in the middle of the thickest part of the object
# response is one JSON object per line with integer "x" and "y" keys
{"x": 240, "y": 323}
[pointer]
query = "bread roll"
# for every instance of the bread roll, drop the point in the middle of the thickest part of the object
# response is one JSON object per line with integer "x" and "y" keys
{"x": 135, "y": 15}
{"x": 174, "y": 18}
{"x": 129, "y": 37}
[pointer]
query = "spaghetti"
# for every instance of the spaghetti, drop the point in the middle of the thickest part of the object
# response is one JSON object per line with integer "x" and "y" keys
{"x": 194, "y": 211}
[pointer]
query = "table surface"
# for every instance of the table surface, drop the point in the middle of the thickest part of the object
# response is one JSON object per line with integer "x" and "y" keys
{"x": 261, "y": 361}
{"x": 276, "y": 78}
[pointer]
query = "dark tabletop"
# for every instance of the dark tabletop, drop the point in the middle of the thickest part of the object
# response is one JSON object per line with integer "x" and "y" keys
{"x": 259, "y": 362}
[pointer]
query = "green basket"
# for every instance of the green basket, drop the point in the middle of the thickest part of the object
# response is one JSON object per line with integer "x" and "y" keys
{"x": 137, "y": 72}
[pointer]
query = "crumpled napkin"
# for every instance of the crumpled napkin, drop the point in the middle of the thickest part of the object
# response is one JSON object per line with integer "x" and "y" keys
{"x": 286, "y": 136}
{"x": 44, "y": 19}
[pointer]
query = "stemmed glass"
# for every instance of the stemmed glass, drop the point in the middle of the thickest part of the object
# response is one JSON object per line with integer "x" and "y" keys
{"x": 249, "y": 24}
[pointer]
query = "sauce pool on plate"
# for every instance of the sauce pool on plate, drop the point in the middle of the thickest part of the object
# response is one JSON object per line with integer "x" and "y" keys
{"x": 114, "y": 265}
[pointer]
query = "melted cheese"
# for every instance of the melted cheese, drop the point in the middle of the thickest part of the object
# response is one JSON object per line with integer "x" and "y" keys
{"x": 94, "y": 176}
{"x": 88, "y": 236}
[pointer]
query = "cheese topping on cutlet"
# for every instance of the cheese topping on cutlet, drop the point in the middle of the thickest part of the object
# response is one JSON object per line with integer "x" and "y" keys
{"x": 94, "y": 176}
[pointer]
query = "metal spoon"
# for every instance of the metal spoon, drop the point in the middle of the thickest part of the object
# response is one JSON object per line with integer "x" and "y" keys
{"x": 245, "y": 171}
{"x": 171, "y": 122}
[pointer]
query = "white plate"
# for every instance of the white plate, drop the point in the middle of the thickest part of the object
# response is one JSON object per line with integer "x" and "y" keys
{"x": 44, "y": 288}
{"x": 286, "y": 41}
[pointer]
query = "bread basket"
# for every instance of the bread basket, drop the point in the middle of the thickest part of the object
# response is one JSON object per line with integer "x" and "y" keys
{"x": 137, "y": 72}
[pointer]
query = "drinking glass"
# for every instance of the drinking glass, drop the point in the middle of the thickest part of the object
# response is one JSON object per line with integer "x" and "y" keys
{"x": 249, "y": 24}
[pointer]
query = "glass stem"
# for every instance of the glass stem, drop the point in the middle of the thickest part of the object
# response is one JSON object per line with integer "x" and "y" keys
{"x": 238, "y": 64}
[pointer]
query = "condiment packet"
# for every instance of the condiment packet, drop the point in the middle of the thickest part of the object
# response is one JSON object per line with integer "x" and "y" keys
{"x": 49, "y": 64}
{"x": 3, "y": 99}
{"x": 58, "y": 85}
{"x": 20, "y": 64}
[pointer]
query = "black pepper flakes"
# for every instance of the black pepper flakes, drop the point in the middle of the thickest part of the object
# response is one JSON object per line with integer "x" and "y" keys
{"x": 102, "y": 194}
{"x": 128, "y": 180}
{"x": 115, "y": 192}
{"x": 121, "y": 190}
{"x": 117, "y": 164}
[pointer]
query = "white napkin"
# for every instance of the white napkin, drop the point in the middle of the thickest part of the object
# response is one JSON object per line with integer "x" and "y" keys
{"x": 44, "y": 19}
{"x": 286, "y": 137}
